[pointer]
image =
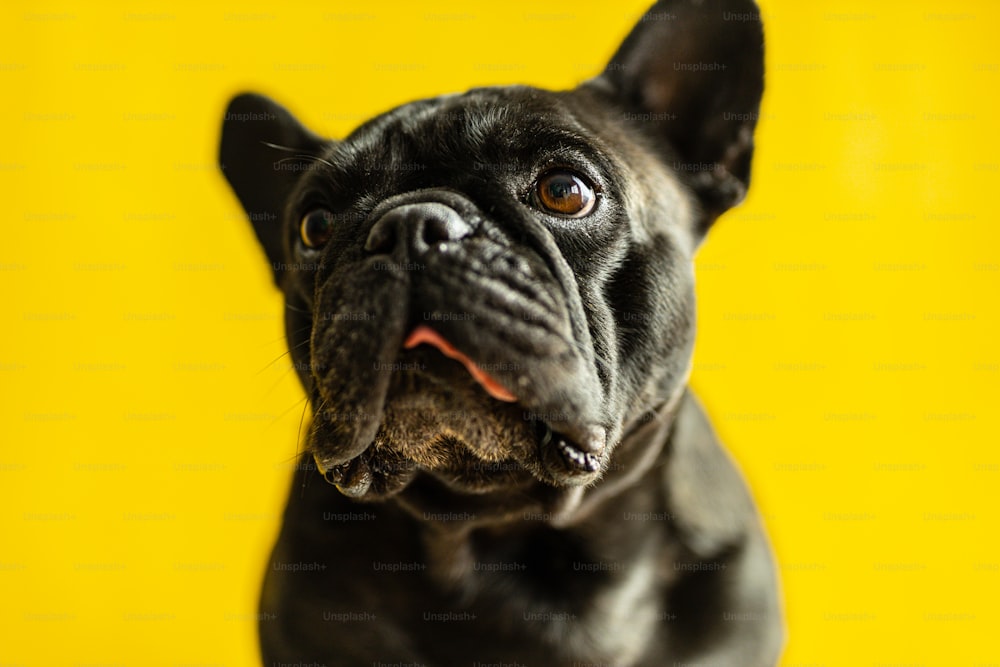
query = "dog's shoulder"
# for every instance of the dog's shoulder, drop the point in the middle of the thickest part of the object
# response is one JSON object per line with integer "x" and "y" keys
{"x": 709, "y": 501}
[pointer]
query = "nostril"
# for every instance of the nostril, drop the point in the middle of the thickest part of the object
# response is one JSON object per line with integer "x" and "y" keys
{"x": 381, "y": 238}
{"x": 438, "y": 229}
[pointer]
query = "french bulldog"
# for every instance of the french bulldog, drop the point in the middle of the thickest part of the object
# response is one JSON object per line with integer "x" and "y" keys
{"x": 489, "y": 301}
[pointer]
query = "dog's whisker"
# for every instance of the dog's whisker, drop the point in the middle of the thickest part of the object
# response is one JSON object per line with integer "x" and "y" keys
{"x": 289, "y": 149}
{"x": 298, "y": 439}
{"x": 283, "y": 354}
{"x": 318, "y": 411}
{"x": 298, "y": 310}
{"x": 281, "y": 378}
{"x": 284, "y": 337}
{"x": 273, "y": 361}
{"x": 299, "y": 155}
{"x": 294, "y": 405}
{"x": 288, "y": 460}
{"x": 303, "y": 156}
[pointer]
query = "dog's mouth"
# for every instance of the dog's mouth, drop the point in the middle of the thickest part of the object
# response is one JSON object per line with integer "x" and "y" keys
{"x": 580, "y": 454}
{"x": 455, "y": 416}
{"x": 425, "y": 335}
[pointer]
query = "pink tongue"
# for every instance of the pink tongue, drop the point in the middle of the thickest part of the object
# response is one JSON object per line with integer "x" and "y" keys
{"x": 424, "y": 334}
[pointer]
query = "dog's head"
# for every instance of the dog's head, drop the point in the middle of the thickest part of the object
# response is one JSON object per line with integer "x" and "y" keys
{"x": 487, "y": 292}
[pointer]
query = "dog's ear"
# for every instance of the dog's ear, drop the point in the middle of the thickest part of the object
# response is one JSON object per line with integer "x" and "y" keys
{"x": 263, "y": 152}
{"x": 691, "y": 75}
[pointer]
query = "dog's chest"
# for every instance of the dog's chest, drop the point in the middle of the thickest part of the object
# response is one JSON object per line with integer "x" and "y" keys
{"x": 548, "y": 595}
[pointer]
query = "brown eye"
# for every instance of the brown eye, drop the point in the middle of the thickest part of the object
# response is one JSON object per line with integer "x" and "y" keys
{"x": 564, "y": 193}
{"x": 316, "y": 228}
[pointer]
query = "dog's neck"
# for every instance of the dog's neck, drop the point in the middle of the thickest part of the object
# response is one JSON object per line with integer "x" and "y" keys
{"x": 448, "y": 545}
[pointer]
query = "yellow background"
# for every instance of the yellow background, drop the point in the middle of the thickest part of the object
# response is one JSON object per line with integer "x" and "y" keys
{"x": 848, "y": 311}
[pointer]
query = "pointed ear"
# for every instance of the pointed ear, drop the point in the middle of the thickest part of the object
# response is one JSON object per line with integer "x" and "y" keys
{"x": 691, "y": 74}
{"x": 263, "y": 152}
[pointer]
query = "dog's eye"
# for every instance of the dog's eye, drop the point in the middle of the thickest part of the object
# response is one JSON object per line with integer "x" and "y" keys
{"x": 564, "y": 192}
{"x": 316, "y": 228}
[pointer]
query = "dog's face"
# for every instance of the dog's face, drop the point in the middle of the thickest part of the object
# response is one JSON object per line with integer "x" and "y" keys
{"x": 486, "y": 292}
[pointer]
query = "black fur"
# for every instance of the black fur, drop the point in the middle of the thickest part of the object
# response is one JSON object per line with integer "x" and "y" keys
{"x": 594, "y": 520}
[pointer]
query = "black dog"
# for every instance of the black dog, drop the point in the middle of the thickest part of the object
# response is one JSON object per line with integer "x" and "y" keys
{"x": 489, "y": 302}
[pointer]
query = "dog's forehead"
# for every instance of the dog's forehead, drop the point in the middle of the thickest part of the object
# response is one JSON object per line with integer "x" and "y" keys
{"x": 455, "y": 124}
{"x": 477, "y": 108}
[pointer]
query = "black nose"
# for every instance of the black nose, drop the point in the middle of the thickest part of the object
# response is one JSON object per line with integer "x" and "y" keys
{"x": 419, "y": 226}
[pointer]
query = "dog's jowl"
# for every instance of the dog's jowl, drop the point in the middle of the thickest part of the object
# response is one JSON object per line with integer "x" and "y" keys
{"x": 489, "y": 303}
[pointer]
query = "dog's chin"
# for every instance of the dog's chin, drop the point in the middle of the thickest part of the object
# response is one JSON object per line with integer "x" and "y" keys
{"x": 441, "y": 433}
